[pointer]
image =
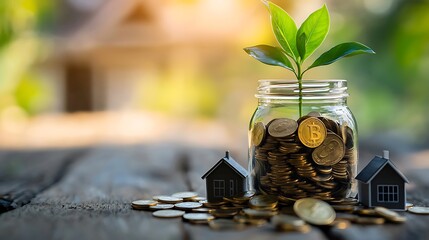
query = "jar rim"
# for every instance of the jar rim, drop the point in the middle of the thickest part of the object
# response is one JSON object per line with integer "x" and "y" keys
{"x": 279, "y": 80}
{"x": 288, "y": 89}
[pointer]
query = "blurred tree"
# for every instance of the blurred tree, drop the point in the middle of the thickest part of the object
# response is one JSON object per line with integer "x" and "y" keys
{"x": 391, "y": 88}
{"x": 21, "y": 25}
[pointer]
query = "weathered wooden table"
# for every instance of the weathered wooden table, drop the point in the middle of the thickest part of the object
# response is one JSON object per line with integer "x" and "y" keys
{"x": 86, "y": 193}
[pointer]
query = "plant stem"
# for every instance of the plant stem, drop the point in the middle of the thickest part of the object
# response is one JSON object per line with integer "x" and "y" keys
{"x": 299, "y": 76}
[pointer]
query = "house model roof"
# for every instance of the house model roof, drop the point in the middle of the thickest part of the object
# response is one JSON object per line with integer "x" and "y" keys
{"x": 231, "y": 162}
{"x": 375, "y": 166}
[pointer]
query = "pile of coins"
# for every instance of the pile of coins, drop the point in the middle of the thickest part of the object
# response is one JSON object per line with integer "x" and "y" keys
{"x": 312, "y": 157}
{"x": 285, "y": 215}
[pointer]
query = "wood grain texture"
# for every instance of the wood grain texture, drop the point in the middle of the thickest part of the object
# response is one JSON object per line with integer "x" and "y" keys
{"x": 91, "y": 199}
{"x": 23, "y": 174}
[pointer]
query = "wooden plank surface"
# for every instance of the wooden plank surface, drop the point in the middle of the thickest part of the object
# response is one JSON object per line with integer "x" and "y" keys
{"x": 91, "y": 198}
{"x": 23, "y": 174}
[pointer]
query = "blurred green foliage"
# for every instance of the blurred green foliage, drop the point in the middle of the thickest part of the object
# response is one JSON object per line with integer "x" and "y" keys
{"x": 390, "y": 92}
{"x": 21, "y": 25}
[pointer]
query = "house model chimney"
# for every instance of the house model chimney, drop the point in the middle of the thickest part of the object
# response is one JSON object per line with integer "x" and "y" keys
{"x": 227, "y": 154}
{"x": 385, "y": 154}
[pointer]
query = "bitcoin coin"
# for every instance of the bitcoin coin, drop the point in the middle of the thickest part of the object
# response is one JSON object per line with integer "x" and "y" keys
{"x": 282, "y": 127}
{"x": 168, "y": 213}
{"x": 330, "y": 152}
{"x": 257, "y": 133}
{"x": 314, "y": 211}
{"x": 312, "y": 132}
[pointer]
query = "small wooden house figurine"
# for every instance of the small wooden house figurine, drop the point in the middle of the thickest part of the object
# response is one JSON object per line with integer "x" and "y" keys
{"x": 225, "y": 179}
{"x": 382, "y": 184}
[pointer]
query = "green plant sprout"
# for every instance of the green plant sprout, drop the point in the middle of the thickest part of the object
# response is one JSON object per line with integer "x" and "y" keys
{"x": 299, "y": 44}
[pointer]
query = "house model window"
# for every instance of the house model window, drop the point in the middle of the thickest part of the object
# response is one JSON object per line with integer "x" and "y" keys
{"x": 219, "y": 188}
{"x": 388, "y": 193}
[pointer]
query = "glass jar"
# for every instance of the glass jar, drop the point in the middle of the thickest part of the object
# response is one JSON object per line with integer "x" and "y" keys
{"x": 303, "y": 146}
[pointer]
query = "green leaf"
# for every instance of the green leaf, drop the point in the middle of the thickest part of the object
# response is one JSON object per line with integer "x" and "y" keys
{"x": 340, "y": 51}
{"x": 270, "y": 55}
{"x": 300, "y": 45}
{"x": 315, "y": 27}
{"x": 284, "y": 29}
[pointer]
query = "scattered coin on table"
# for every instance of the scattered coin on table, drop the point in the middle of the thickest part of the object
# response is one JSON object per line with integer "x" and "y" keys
{"x": 419, "y": 210}
{"x": 187, "y": 205}
{"x": 285, "y": 214}
{"x": 161, "y": 207}
{"x": 314, "y": 211}
{"x": 169, "y": 199}
{"x": 185, "y": 195}
{"x": 168, "y": 213}
{"x": 143, "y": 204}
{"x": 199, "y": 218}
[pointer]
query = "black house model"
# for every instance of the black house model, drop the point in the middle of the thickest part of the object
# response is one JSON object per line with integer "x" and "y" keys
{"x": 382, "y": 184}
{"x": 225, "y": 179}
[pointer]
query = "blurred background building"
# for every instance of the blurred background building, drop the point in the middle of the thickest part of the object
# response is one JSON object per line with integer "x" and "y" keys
{"x": 77, "y": 72}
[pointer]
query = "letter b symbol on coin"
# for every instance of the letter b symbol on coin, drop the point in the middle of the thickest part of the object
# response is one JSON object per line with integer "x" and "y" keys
{"x": 314, "y": 131}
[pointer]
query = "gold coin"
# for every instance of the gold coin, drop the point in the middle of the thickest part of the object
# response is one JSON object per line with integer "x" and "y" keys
{"x": 226, "y": 224}
{"x": 198, "y": 217}
{"x": 188, "y": 205}
{"x": 369, "y": 220}
{"x": 224, "y": 213}
{"x": 169, "y": 199}
{"x": 264, "y": 201}
{"x": 257, "y": 133}
{"x": 419, "y": 210}
{"x": 282, "y": 127}
{"x": 185, "y": 195}
{"x": 253, "y": 213}
{"x": 312, "y": 132}
{"x": 201, "y": 210}
{"x": 386, "y": 213}
{"x": 346, "y": 208}
{"x": 314, "y": 211}
{"x": 161, "y": 207}
{"x": 314, "y": 114}
{"x": 330, "y": 152}
{"x": 143, "y": 204}
{"x": 399, "y": 219}
{"x": 287, "y": 219}
{"x": 251, "y": 221}
{"x": 168, "y": 213}
{"x": 198, "y": 199}
{"x": 340, "y": 224}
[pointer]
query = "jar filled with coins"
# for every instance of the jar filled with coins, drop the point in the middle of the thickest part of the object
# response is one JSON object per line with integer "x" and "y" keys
{"x": 303, "y": 144}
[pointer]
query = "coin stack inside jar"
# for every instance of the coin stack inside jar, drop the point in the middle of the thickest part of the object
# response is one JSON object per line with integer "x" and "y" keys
{"x": 312, "y": 157}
